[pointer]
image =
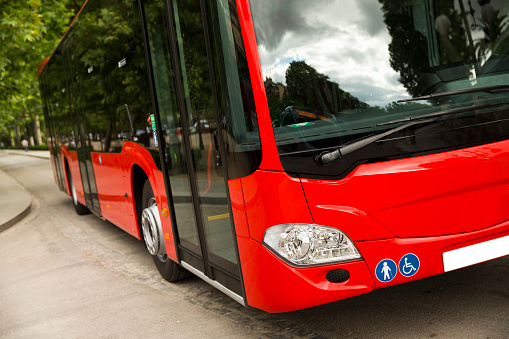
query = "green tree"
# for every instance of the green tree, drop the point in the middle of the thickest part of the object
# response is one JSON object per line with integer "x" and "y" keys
{"x": 29, "y": 31}
{"x": 307, "y": 87}
{"x": 412, "y": 62}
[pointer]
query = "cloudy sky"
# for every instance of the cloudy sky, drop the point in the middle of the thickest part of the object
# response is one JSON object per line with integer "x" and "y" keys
{"x": 346, "y": 40}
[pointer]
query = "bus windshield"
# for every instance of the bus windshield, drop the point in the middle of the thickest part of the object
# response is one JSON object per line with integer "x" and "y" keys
{"x": 339, "y": 71}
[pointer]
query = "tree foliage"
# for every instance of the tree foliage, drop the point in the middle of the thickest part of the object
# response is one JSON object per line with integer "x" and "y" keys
{"x": 29, "y": 31}
{"x": 306, "y": 87}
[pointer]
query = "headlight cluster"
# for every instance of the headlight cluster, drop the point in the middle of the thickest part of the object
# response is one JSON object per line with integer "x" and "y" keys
{"x": 309, "y": 244}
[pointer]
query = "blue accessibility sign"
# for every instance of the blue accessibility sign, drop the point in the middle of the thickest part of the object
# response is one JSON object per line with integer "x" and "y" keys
{"x": 386, "y": 270}
{"x": 409, "y": 265}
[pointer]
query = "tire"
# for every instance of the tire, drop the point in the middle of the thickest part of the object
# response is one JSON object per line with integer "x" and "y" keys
{"x": 78, "y": 207}
{"x": 168, "y": 269}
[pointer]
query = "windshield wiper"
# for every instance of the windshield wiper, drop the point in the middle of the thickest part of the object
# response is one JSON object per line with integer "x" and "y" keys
{"x": 328, "y": 157}
{"x": 487, "y": 89}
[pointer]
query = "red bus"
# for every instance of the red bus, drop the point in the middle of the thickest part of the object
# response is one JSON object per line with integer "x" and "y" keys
{"x": 290, "y": 153}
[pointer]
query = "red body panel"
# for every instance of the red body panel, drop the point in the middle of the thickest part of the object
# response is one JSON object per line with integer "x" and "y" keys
{"x": 74, "y": 166}
{"x": 114, "y": 178}
{"x": 429, "y": 251}
{"x": 71, "y": 158}
{"x": 270, "y": 159}
{"x": 445, "y": 193}
{"x": 238, "y": 208}
{"x": 136, "y": 155}
{"x": 273, "y": 198}
{"x": 274, "y": 286}
{"x": 111, "y": 187}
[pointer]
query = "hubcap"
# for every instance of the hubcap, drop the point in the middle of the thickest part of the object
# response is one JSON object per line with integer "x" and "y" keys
{"x": 152, "y": 230}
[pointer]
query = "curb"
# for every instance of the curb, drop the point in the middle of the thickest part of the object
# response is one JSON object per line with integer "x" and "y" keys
{"x": 15, "y": 200}
{"x": 16, "y": 219}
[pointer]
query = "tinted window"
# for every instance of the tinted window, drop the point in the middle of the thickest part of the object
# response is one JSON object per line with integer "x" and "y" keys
{"x": 112, "y": 74}
{"x": 233, "y": 84}
{"x": 356, "y": 63}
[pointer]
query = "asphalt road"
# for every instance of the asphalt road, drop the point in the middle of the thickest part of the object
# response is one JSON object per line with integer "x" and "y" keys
{"x": 62, "y": 275}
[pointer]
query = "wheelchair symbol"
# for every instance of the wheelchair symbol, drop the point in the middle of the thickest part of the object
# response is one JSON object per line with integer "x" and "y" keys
{"x": 409, "y": 265}
{"x": 408, "y": 268}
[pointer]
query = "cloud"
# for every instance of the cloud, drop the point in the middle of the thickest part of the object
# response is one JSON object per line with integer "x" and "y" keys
{"x": 277, "y": 19}
{"x": 372, "y": 18}
{"x": 346, "y": 40}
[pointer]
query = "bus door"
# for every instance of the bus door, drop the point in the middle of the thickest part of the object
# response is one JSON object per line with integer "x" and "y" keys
{"x": 191, "y": 127}
{"x": 81, "y": 137}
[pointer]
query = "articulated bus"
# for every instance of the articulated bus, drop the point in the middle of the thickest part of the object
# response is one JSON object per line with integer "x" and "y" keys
{"x": 289, "y": 153}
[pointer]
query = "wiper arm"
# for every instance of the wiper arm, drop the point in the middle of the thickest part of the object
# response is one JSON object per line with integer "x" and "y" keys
{"x": 499, "y": 89}
{"x": 327, "y": 157}
{"x": 442, "y": 113}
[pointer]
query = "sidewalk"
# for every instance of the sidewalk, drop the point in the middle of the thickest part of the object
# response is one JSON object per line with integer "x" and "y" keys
{"x": 37, "y": 154}
{"x": 15, "y": 202}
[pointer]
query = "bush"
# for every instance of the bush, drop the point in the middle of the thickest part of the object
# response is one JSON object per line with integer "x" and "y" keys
{"x": 42, "y": 147}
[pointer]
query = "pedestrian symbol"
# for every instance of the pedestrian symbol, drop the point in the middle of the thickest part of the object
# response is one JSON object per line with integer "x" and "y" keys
{"x": 409, "y": 265}
{"x": 386, "y": 270}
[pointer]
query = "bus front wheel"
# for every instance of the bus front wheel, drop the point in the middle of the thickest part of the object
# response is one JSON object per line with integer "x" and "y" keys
{"x": 152, "y": 235}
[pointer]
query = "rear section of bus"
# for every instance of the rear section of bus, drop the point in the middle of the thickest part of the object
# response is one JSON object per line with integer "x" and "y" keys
{"x": 384, "y": 128}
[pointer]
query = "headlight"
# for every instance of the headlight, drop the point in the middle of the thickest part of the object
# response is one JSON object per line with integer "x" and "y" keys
{"x": 309, "y": 244}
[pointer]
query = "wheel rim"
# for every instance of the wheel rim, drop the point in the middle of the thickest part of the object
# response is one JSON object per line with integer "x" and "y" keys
{"x": 150, "y": 234}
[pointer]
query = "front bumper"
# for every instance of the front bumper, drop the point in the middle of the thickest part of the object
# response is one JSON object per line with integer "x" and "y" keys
{"x": 274, "y": 286}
